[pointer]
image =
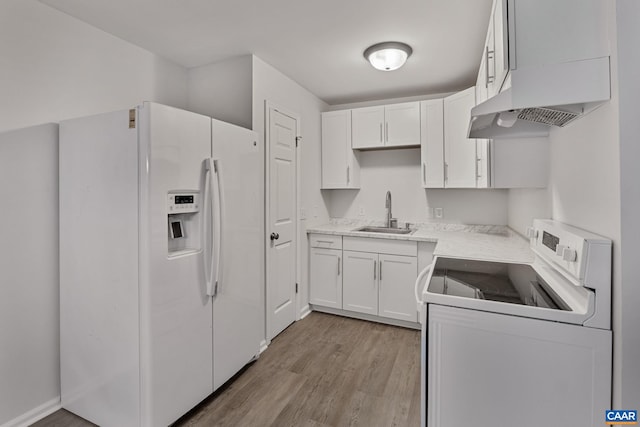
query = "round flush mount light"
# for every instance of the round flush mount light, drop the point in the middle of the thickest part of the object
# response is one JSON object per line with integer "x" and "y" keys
{"x": 388, "y": 56}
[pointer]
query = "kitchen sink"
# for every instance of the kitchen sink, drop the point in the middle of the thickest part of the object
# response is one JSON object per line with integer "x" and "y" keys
{"x": 385, "y": 230}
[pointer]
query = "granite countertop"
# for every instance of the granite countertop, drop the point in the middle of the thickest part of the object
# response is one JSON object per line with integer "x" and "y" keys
{"x": 486, "y": 242}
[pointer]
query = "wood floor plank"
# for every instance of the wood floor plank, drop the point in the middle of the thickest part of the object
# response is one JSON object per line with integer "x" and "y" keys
{"x": 324, "y": 370}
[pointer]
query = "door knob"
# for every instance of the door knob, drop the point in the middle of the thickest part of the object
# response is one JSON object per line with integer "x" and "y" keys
{"x": 275, "y": 236}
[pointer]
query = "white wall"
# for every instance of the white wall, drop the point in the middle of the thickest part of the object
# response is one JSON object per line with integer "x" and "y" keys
{"x": 29, "y": 305}
{"x": 585, "y": 188}
{"x": 223, "y": 90}
{"x": 271, "y": 85}
{"x": 55, "y": 67}
{"x": 627, "y": 384}
{"x": 52, "y": 67}
{"x": 398, "y": 171}
{"x": 526, "y": 204}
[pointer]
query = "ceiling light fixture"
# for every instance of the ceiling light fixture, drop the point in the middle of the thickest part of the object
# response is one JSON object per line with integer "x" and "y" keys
{"x": 388, "y": 56}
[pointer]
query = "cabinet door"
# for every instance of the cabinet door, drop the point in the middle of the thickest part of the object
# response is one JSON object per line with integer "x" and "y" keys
{"x": 336, "y": 139}
{"x": 325, "y": 276}
{"x": 459, "y": 151}
{"x": 432, "y": 144}
{"x": 482, "y": 84}
{"x": 397, "y": 277}
{"x": 402, "y": 124}
{"x": 500, "y": 45}
{"x": 367, "y": 127}
{"x": 360, "y": 282}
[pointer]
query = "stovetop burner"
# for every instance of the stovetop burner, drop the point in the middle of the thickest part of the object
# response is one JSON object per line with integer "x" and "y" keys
{"x": 493, "y": 281}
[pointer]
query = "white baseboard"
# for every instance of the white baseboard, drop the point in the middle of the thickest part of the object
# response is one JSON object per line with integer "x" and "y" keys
{"x": 36, "y": 414}
{"x": 263, "y": 345}
{"x": 305, "y": 311}
{"x": 369, "y": 317}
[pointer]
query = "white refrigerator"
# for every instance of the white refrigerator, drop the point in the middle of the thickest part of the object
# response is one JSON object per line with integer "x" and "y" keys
{"x": 161, "y": 261}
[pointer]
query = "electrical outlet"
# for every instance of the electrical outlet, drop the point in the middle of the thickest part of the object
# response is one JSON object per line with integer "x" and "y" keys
{"x": 303, "y": 213}
{"x": 315, "y": 211}
{"x": 439, "y": 212}
{"x": 430, "y": 213}
{"x": 361, "y": 211}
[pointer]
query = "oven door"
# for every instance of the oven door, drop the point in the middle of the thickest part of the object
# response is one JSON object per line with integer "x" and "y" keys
{"x": 487, "y": 369}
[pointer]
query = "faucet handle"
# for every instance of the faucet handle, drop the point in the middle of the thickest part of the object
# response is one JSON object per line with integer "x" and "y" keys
{"x": 407, "y": 225}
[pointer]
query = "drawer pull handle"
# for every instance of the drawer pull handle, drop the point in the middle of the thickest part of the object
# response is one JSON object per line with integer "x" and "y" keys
{"x": 325, "y": 241}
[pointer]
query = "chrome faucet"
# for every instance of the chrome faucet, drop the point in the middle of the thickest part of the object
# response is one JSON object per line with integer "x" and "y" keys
{"x": 387, "y": 205}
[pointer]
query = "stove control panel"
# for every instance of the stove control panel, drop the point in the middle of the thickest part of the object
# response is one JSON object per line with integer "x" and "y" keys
{"x": 565, "y": 246}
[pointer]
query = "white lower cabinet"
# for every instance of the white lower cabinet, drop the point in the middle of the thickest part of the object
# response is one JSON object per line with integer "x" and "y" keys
{"x": 396, "y": 279}
{"x": 374, "y": 277}
{"x": 380, "y": 281}
{"x": 361, "y": 276}
{"x": 326, "y": 277}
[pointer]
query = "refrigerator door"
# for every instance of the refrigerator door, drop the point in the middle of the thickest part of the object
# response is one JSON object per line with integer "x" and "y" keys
{"x": 176, "y": 316}
{"x": 238, "y": 314}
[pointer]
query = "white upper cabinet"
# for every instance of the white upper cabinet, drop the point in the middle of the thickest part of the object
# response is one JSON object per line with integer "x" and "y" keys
{"x": 402, "y": 123}
{"x": 367, "y": 127}
{"x": 432, "y": 143}
{"x": 340, "y": 167}
{"x": 495, "y": 63}
{"x": 460, "y": 155}
{"x": 500, "y": 46}
{"x": 395, "y": 125}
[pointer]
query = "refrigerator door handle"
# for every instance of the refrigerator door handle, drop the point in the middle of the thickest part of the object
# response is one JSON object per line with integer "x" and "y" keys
{"x": 217, "y": 222}
{"x": 207, "y": 219}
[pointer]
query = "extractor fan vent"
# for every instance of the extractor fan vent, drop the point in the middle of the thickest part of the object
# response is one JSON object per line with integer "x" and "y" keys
{"x": 547, "y": 116}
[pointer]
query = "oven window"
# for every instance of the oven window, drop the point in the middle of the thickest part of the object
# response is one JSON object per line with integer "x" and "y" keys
{"x": 494, "y": 281}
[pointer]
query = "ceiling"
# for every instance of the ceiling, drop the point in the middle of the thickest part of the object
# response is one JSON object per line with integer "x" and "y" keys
{"x": 318, "y": 43}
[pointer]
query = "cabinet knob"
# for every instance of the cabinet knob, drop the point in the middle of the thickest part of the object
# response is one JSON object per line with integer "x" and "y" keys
{"x": 275, "y": 236}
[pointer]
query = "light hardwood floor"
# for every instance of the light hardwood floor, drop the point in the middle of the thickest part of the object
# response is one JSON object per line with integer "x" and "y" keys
{"x": 324, "y": 370}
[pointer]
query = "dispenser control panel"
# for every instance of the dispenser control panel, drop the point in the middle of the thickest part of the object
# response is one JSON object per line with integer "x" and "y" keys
{"x": 183, "y": 202}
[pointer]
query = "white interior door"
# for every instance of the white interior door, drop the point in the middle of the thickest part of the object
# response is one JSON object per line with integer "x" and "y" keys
{"x": 281, "y": 222}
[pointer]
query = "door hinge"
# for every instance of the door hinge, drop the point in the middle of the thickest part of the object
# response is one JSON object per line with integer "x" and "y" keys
{"x": 132, "y": 118}
{"x": 298, "y": 139}
{"x": 296, "y": 288}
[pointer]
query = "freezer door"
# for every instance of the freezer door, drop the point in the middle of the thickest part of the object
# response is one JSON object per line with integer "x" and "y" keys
{"x": 238, "y": 312}
{"x": 176, "y": 313}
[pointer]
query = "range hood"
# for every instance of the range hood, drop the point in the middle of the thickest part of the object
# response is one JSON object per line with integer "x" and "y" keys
{"x": 539, "y": 97}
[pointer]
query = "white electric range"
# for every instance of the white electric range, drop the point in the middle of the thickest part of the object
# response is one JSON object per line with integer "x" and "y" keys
{"x": 519, "y": 344}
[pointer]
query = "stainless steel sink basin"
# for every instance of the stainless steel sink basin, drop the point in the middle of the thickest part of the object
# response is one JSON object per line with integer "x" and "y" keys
{"x": 385, "y": 230}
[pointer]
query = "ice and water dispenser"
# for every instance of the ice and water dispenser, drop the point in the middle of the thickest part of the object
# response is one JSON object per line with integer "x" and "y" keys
{"x": 183, "y": 222}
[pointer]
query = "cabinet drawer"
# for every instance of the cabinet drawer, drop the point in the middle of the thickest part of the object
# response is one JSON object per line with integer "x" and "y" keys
{"x": 327, "y": 241}
{"x": 381, "y": 246}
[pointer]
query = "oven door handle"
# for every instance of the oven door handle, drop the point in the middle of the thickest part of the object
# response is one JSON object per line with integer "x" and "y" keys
{"x": 424, "y": 273}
